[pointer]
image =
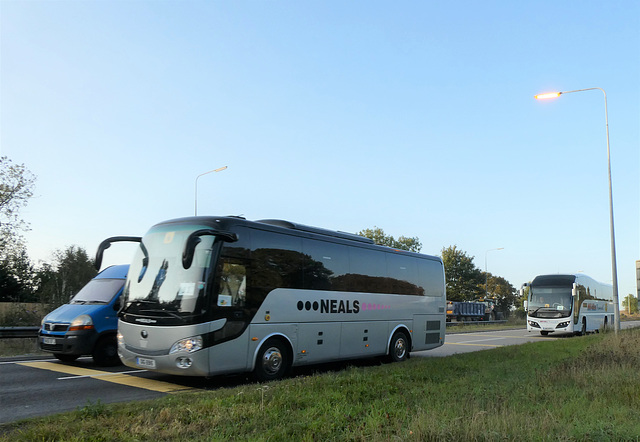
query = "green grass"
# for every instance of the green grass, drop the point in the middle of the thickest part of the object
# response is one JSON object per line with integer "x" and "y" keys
{"x": 19, "y": 346}
{"x": 584, "y": 388}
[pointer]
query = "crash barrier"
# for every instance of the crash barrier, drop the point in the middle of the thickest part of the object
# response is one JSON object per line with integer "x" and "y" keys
{"x": 18, "y": 332}
{"x": 452, "y": 324}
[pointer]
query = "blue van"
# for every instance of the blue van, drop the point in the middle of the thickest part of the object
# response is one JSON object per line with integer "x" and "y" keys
{"x": 89, "y": 323}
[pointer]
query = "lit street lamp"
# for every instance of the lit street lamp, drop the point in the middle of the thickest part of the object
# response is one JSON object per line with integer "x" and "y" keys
{"x": 196, "y": 192}
{"x": 486, "y": 274}
{"x": 614, "y": 271}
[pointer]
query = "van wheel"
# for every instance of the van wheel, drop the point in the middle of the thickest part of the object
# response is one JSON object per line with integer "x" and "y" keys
{"x": 105, "y": 352}
{"x": 399, "y": 347}
{"x": 66, "y": 358}
{"x": 272, "y": 362}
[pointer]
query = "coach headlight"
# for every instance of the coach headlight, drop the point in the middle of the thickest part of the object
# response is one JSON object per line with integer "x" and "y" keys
{"x": 188, "y": 345}
{"x": 563, "y": 324}
{"x": 534, "y": 324}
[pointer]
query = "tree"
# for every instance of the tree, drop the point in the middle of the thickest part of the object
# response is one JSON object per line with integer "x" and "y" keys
{"x": 503, "y": 291}
{"x": 465, "y": 282}
{"x": 630, "y": 304}
{"x": 16, "y": 276}
{"x": 16, "y": 272}
{"x": 71, "y": 270}
{"x": 402, "y": 243}
{"x": 16, "y": 184}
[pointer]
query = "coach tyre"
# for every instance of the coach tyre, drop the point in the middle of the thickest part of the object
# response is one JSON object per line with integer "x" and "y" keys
{"x": 399, "y": 347}
{"x": 273, "y": 360}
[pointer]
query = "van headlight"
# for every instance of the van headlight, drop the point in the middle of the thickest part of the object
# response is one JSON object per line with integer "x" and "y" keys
{"x": 188, "y": 345}
{"x": 82, "y": 322}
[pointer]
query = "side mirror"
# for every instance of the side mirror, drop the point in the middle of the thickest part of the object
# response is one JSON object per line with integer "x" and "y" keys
{"x": 525, "y": 304}
{"x": 194, "y": 239}
{"x": 104, "y": 245}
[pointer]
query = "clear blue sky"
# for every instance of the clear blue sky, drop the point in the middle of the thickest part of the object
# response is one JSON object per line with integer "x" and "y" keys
{"x": 416, "y": 116}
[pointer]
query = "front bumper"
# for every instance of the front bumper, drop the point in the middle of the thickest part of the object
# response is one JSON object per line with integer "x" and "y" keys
{"x": 70, "y": 343}
{"x": 181, "y": 364}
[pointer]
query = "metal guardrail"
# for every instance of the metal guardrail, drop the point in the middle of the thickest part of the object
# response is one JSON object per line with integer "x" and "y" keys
{"x": 453, "y": 324}
{"x": 19, "y": 332}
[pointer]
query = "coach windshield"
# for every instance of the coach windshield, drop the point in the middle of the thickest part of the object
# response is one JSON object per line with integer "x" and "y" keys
{"x": 550, "y": 302}
{"x": 161, "y": 289}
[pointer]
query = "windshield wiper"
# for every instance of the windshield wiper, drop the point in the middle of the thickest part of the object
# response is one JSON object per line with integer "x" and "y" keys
{"x": 139, "y": 302}
{"x": 173, "y": 315}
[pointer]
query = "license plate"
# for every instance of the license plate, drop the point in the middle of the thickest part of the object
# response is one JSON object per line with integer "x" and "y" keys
{"x": 49, "y": 341}
{"x": 146, "y": 363}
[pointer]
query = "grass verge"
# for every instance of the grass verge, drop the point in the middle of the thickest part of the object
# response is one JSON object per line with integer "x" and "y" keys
{"x": 570, "y": 389}
{"x": 19, "y": 346}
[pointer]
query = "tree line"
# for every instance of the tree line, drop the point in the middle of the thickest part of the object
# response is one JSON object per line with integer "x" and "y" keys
{"x": 50, "y": 283}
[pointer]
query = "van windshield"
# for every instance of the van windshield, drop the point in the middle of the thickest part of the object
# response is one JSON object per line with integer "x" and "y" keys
{"x": 98, "y": 291}
{"x": 158, "y": 285}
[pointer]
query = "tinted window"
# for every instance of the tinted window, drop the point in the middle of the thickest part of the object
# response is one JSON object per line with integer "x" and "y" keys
{"x": 430, "y": 277}
{"x": 367, "y": 272}
{"x": 276, "y": 262}
{"x": 403, "y": 274}
{"x": 324, "y": 264}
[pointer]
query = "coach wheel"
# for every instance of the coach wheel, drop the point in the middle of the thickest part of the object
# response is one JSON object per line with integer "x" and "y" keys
{"x": 583, "y": 329}
{"x": 399, "y": 347}
{"x": 66, "y": 358}
{"x": 105, "y": 352}
{"x": 272, "y": 362}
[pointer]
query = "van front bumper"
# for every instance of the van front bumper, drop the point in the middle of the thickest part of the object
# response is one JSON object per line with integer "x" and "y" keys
{"x": 79, "y": 342}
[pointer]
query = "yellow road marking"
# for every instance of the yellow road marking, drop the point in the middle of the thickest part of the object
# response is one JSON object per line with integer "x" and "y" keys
{"x": 116, "y": 378}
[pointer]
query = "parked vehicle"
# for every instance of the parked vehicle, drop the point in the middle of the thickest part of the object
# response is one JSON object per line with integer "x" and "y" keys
{"x": 490, "y": 311}
{"x": 465, "y": 311}
{"x": 88, "y": 324}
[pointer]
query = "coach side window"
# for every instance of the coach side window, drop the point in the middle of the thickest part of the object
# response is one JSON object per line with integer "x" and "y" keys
{"x": 324, "y": 264}
{"x": 403, "y": 273}
{"x": 367, "y": 271}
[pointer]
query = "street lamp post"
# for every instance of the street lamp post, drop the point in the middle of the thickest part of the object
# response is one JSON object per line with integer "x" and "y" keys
{"x": 486, "y": 274}
{"x": 614, "y": 270}
{"x": 196, "y": 191}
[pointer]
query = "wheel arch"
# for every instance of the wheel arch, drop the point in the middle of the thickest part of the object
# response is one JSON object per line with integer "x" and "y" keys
{"x": 279, "y": 336}
{"x": 403, "y": 328}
